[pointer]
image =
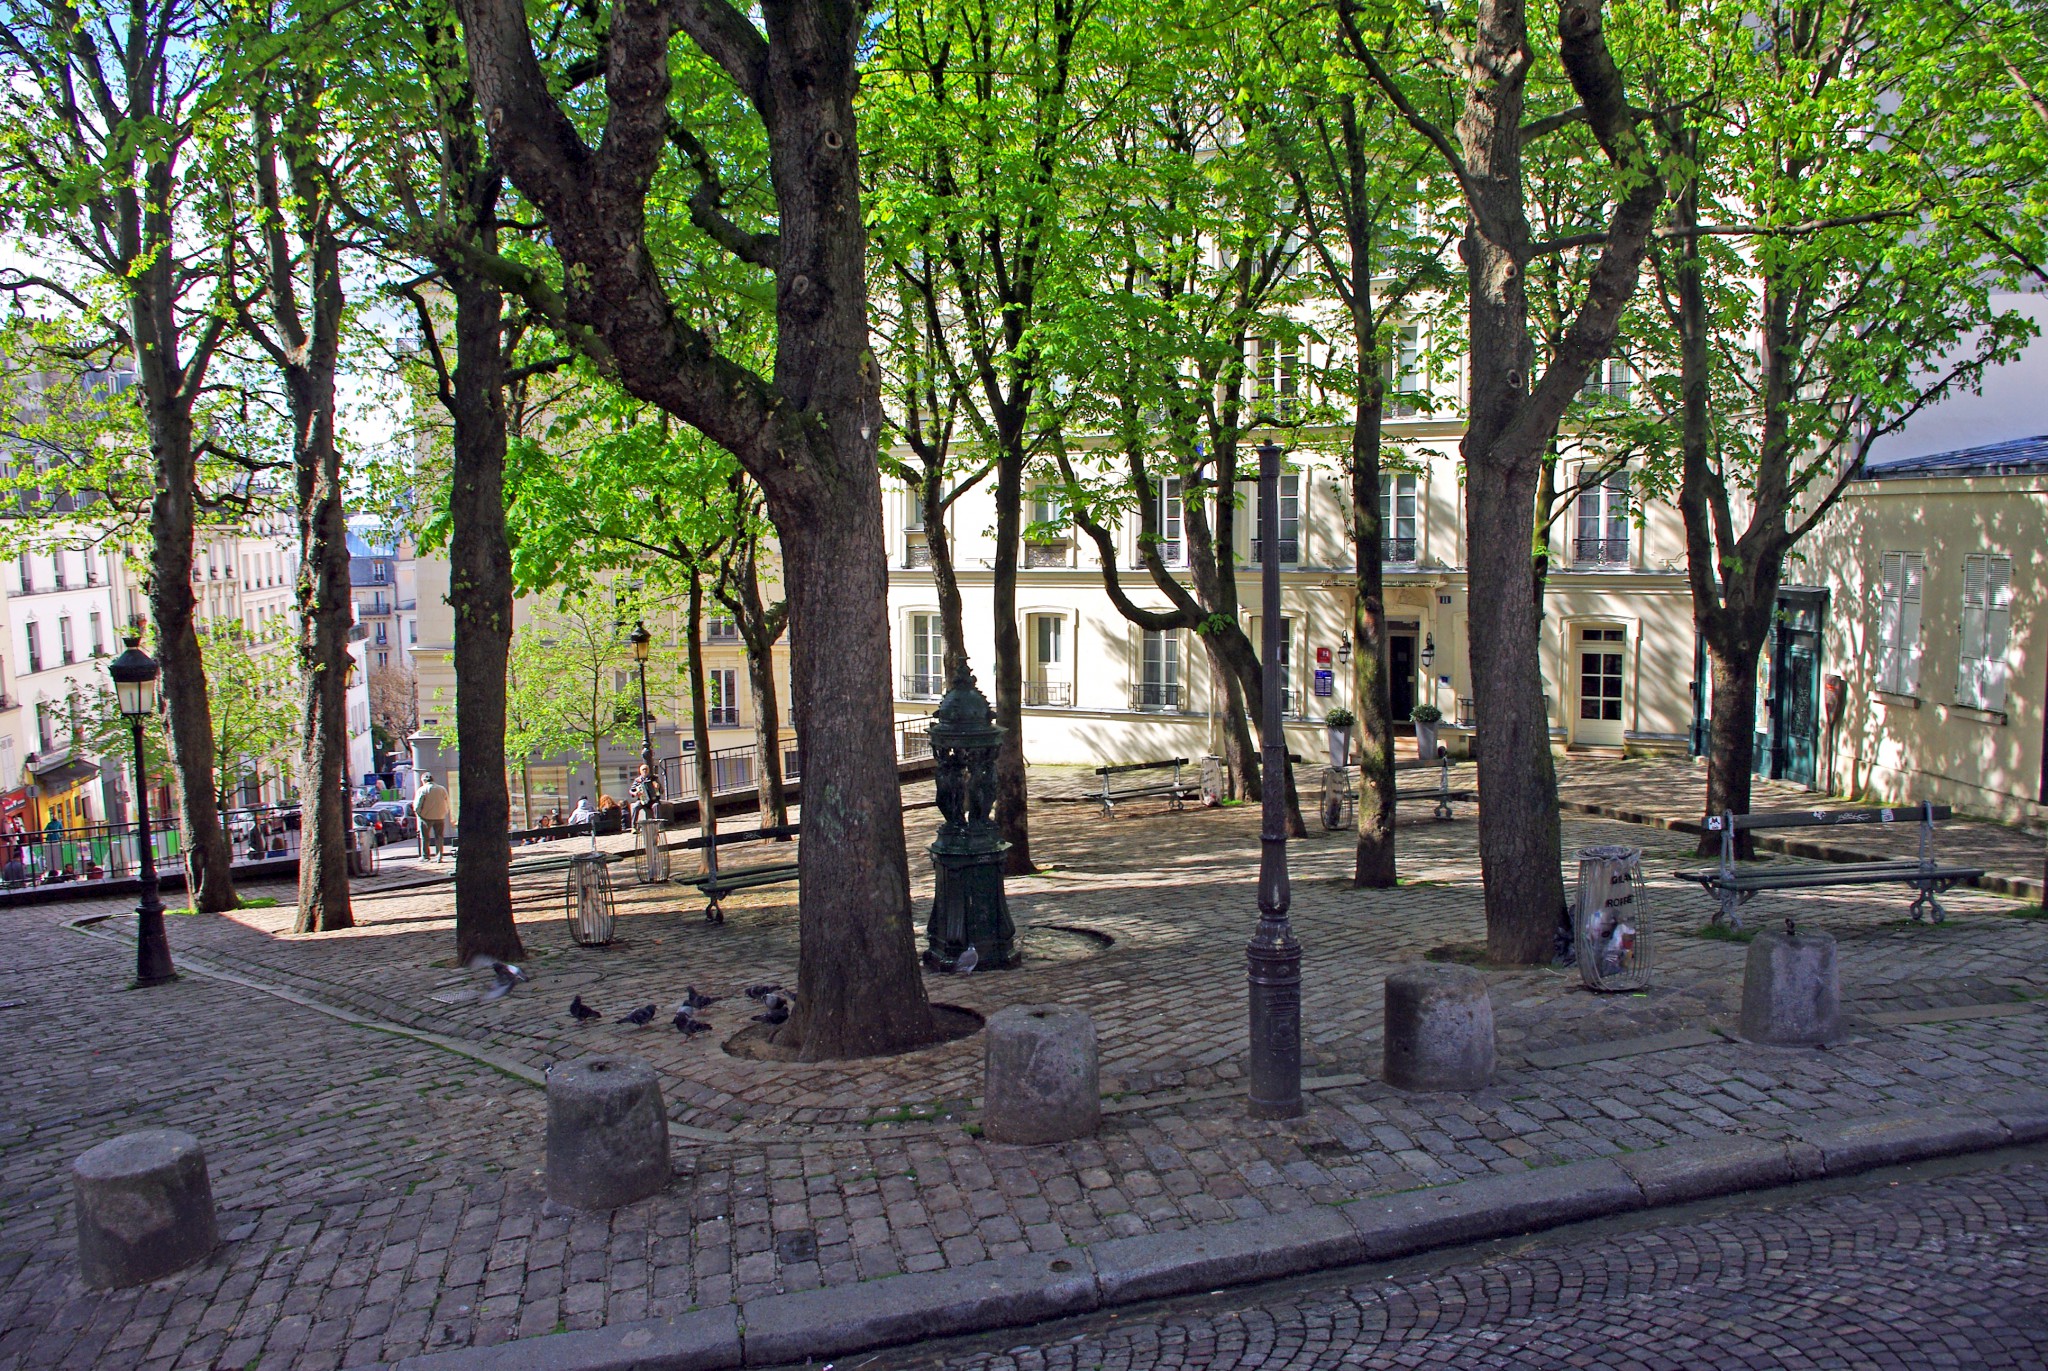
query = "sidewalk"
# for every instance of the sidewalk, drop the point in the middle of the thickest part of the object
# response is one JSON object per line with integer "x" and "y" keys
{"x": 375, "y": 1134}
{"x": 1670, "y": 792}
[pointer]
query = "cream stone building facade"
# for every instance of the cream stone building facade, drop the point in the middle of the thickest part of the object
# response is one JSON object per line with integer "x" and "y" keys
{"x": 1618, "y": 645}
{"x": 1936, "y": 570}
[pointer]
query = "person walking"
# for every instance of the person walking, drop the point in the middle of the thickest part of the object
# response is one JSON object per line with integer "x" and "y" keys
{"x": 430, "y": 807}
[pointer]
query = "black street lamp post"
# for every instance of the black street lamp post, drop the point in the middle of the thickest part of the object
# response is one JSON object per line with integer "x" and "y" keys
{"x": 135, "y": 677}
{"x": 1273, "y": 956}
{"x": 643, "y": 648}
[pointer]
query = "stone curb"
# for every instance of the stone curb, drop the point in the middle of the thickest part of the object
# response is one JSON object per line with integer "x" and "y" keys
{"x": 1016, "y": 1291}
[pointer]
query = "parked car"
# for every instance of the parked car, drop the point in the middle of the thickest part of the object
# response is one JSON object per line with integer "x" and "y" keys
{"x": 397, "y": 818}
{"x": 367, "y": 819}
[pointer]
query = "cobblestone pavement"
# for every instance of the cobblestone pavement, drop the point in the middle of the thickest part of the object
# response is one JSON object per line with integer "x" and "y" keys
{"x": 382, "y": 1189}
{"x": 1673, "y": 789}
{"x": 1947, "y": 1272}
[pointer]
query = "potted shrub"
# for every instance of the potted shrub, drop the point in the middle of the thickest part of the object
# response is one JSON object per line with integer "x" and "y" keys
{"x": 1426, "y": 718}
{"x": 1339, "y": 722}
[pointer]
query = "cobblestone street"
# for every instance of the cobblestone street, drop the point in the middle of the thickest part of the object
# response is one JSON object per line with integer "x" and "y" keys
{"x": 1947, "y": 1272}
{"x": 375, "y": 1133}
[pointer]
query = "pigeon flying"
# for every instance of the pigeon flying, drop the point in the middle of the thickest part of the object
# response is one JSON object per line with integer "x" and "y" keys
{"x": 505, "y": 977}
{"x": 695, "y": 999}
{"x": 687, "y": 1023}
{"x": 581, "y": 1012}
{"x": 641, "y": 1017}
{"x": 968, "y": 960}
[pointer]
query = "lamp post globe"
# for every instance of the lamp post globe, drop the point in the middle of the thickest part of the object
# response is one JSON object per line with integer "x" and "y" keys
{"x": 135, "y": 675}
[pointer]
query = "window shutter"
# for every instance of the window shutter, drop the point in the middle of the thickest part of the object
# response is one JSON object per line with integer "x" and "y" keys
{"x": 1914, "y": 565}
{"x": 1997, "y": 630}
{"x": 1888, "y": 655}
{"x": 1970, "y": 653}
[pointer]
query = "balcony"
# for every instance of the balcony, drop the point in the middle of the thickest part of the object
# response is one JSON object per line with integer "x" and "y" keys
{"x": 1613, "y": 391}
{"x": 1290, "y": 552}
{"x": 722, "y": 716}
{"x": 1600, "y": 552}
{"x": 1049, "y": 694}
{"x": 1172, "y": 552}
{"x": 923, "y": 685}
{"x": 916, "y": 551}
{"x": 1397, "y": 551}
{"x": 721, "y": 631}
{"x": 1048, "y": 554}
{"x": 1158, "y": 697}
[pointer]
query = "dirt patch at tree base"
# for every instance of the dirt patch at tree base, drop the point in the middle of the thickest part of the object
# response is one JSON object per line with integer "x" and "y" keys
{"x": 755, "y": 1042}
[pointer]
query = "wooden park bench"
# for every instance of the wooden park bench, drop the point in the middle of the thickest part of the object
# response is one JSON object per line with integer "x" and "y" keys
{"x": 719, "y": 882}
{"x": 1176, "y": 791}
{"x": 1733, "y": 888}
{"x": 1341, "y": 811}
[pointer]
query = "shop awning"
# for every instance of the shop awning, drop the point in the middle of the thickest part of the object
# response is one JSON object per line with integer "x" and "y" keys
{"x": 62, "y": 775}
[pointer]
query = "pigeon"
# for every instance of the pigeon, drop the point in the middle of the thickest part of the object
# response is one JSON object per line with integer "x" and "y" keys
{"x": 687, "y": 1023}
{"x": 506, "y": 976}
{"x": 581, "y": 1012}
{"x": 762, "y": 991}
{"x": 777, "y": 1013}
{"x": 640, "y": 1017}
{"x": 695, "y": 999}
{"x": 967, "y": 961}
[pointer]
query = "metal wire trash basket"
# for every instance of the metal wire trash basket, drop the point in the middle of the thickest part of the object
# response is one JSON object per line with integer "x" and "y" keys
{"x": 592, "y": 912}
{"x": 1611, "y": 919}
{"x": 651, "y": 858}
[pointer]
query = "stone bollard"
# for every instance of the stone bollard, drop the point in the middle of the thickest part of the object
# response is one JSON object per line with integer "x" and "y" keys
{"x": 145, "y": 1208}
{"x": 1040, "y": 1075}
{"x": 607, "y": 1133}
{"x": 1790, "y": 993}
{"x": 1439, "y": 1029}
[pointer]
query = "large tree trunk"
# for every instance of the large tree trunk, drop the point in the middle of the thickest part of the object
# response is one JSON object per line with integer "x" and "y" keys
{"x": 1731, "y": 752}
{"x": 207, "y": 855}
{"x": 325, "y": 620}
{"x": 952, "y": 613}
{"x": 480, "y": 593}
{"x": 1012, "y": 795}
{"x": 767, "y": 734}
{"x": 863, "y": 991}
{"x": 1374, "y": 865}
{"x": 808, "y": 437}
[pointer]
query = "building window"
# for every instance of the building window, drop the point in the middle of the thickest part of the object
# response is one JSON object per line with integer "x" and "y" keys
{"x": 1610, "y": 378}
{"x": 46, "y": 727}
{"x": 917, "y": 551}
{"x": 57, "y": 577}
{"x": 1987, "y": 631}
{"x": 1171, "y": 549}
{"x": 1600, "y": 655}
{"x": 1279, "y": 377}
{"x": 66, "y": 652}
{"x": 1401, "y": 373}
{"x": 1397, "y": 517}
{"x": 927, "y": 659}
{"x": 1603, "y": 524}
{"x": 28, "y": 573}
{"x": 378, "y": 572}
{"x": 99, "y": 641}
{"x": 1290, "y": 522}
{"x": 722, "y": 710}
{"x": 383, "y": 634}
{"x": 412, "y": 632}
{"x": 92, "y": 568}
{"x": 721, "y": 630}
{"x": 1158, "y": 685}
{"x": 35, "y": 647}
{"x": 1904, "y": 575}
{"x": 1046, "y": 682}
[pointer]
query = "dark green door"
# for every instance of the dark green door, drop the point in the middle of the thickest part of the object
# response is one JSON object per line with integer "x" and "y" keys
{"x": 1795, "y": 686}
